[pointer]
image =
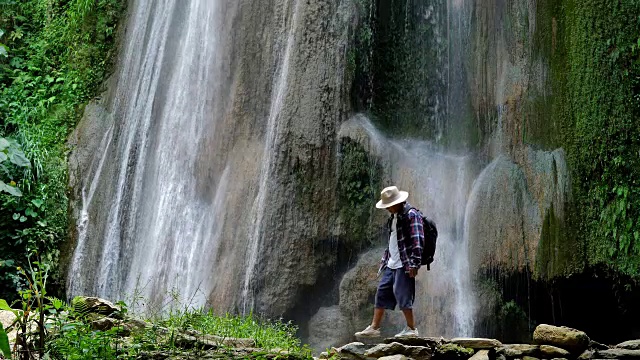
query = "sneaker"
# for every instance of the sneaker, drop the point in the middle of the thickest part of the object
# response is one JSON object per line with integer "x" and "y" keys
{"x": 407, "y": 332}
{"x": 368, "y": 332}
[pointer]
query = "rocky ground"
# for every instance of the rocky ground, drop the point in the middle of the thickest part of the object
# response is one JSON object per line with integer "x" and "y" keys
{"x": 548, "y": 342}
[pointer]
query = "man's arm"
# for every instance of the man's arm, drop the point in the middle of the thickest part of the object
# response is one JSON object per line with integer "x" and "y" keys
{"x": 416, "y": 233}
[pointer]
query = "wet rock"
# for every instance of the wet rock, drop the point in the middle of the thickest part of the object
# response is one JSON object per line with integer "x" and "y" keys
{"x": 453, "y": 352}
{"x": 575, "y": 341}
{"x": 477, "y": 343}
{"x": 629, "y": 345}
{"x": 94, "y": 305}
{"x": 617, "y": 354}
{"x": 431, "y": 342}
{"x": 529, "y": 358}
{"x": 327, "y": 328}
{"x": 480, "y": 355}
{"x": 519, "y": 350}
{"x": 501, "y": 357}
{"x": 549, "y": 351}
{"x": 396, "y": 348}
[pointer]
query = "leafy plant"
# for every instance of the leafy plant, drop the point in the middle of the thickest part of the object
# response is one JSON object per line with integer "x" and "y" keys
{"x": 10, "y": 153}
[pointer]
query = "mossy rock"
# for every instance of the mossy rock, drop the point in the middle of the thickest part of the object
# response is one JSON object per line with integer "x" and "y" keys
{"x": 453, "y": 352}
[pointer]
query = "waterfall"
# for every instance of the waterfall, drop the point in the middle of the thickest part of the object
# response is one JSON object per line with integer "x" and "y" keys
{"x": 158, "y": 234}
{"x": 258, "y": 209}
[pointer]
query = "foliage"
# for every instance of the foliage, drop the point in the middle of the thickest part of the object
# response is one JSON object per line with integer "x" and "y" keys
{"x": 358, "y": 185}
{"x": 603, "y": 107}
{"x": 57, "y": 55}
{"x": 10, "y": 155}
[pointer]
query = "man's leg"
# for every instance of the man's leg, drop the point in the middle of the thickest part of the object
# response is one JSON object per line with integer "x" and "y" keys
{"x": 408, "y": 315}
{"x": 404, "y": 290}
{"x": 377, "y": 317}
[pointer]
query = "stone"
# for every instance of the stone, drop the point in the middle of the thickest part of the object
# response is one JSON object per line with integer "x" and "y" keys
{"x": 629, "y": 345}
{"x": 396, "y": 348}
{"x": 103, "y": 324}
{"x": 587, "y": 354}
{"x": 519, "y": 350}
{"x": 394, "y": 357}
{"x": 575, "y": 341}
{"x": 354, "y": 350}
{"x": 549, "y": 351}
{"x": 432, "y": 342}
{"x": 559, "y": 359}
{"x": 529, "y": 358}
{"x": 617, "y": 354}
{"x": 480, "y": 355}
{"x": 94, "y": 305}
{"x": 477, "y": 343}
{"x": 453, "y": 352}
{"x": 501, "y": 357}
{"x": 7, "y": 318}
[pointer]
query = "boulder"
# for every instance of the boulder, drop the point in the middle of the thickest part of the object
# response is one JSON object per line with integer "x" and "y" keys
{"x": 94, "y": 305}
{"x": 480, "y": 355}
{"x": 575, "y": 341}
{"x": 519, "y": 350}
{"x": 549, "y": 351}
{"x": 327, "y": 328}
{"x": 477, "y": 343}
{"x": 453, "y": 352}
{"x": 629, "y": 345}
{"x": 617, "y": 354}
{"x": 7, "y": 318}
{"x": 396, "y": 348}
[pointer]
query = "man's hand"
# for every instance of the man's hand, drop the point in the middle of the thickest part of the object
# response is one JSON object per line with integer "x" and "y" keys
{"x": 413, "y": 272}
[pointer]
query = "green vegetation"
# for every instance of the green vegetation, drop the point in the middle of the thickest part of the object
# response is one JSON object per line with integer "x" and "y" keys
{"x": 358, "y": 185}
{"x": 601, "y": 113}
{"x": 47, "y": 327}
{"x": 54, "y": 54}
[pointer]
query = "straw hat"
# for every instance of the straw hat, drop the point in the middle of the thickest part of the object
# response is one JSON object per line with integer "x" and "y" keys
{"x": 391, "y": 196}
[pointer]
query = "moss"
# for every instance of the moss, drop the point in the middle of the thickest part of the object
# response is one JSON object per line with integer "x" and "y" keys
{"x": 452, "y": 352}
{"x": 603, "y": 77}
{"x": 358, "y": 185}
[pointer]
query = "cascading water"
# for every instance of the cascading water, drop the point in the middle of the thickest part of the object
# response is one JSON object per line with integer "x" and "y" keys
{"x": 258, "y": 209}
{"x": 159, "y": 233}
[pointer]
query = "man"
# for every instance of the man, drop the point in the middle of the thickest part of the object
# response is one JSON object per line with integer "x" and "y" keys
{"x": 400, "y": 262}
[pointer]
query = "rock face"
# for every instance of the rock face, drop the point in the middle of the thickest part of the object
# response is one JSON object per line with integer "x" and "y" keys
{"x": 575, "y": 341}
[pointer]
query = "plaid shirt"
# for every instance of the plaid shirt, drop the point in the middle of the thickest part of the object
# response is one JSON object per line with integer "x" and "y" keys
{"x": 410, "y": 248}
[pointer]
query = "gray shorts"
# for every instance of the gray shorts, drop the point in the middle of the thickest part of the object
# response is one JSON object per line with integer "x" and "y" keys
{"x": 395, "y": 288}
